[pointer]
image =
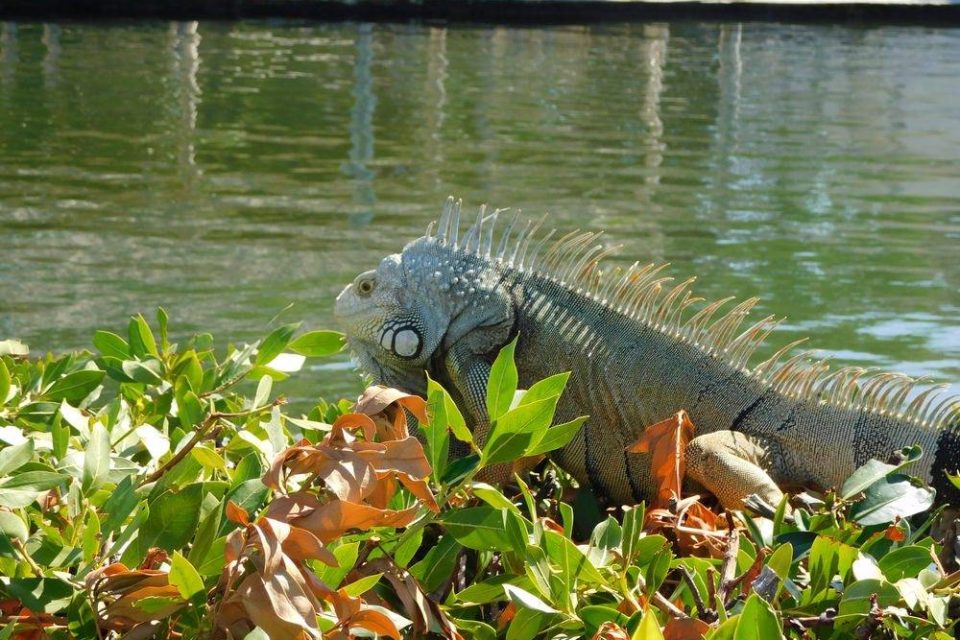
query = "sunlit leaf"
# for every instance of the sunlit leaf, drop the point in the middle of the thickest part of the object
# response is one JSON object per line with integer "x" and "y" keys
{"x": 96, "y": 458}
{"x": 185, "y": 577}
{"x": 317, "y": 344}
{"x": 502, "y": 383}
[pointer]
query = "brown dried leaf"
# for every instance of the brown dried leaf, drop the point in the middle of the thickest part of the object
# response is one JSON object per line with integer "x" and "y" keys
{"x": 236, "y": 514}
{"x": 280, "y": 605}
{"x": 611, "y": 631}
{"x": 685, "y": 629}
{"x": 427, "y": 616}
{"x": 299, "y": 544}
{"x": 378, "y": 398}
{"x": 666, "y": 441}
{"x": 506, "y": 615}
{"x": 353, "y": 421}
{"x": 895, "y": 533}
{"x": 331, "y": 520}
{"x": 375, "y": 621}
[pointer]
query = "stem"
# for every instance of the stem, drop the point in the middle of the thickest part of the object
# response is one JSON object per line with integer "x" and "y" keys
{"x": 201, "y": 433}
{"x": 18, "y": 543}
{"x": 703, "y": 612}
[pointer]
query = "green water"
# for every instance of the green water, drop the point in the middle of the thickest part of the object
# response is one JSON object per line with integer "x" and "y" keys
{"x": 228, "y": 170}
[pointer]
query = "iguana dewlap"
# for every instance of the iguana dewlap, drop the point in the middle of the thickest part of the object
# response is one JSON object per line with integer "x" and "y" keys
{"x": 640, "y": 347}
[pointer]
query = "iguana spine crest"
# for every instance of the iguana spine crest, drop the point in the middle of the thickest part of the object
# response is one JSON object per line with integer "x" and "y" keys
{"x": 640, "y": 293}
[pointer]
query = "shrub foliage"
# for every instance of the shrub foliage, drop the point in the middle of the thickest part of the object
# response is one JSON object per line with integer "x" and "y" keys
{"x": 152, "y": 489}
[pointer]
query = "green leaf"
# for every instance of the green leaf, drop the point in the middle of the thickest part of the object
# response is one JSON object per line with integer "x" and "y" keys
{"x": 502, "y": 383}
{"x": 873, "y": 471}
{"x": 12, "y": 526}
{"x": 209, "y": 458}
{"x": 779, "y": 563}
{"x": 557, "y": 437}
{"x": 38, "y": 480}
{"x": 75, "y": 386}
{"x": 758, "y": 620}
{"x": 905, "y": 562}
{"x": 59, "y": 437}
{"x": 173, "y": 519}
{"x": 473, "y": 629}
{"x": 549, "y": 387}
{"x": 275, "y": 343}
{"x": 595, "y": 615}
{"x": 263, "y": 392}
{"x": 346, "y": 555}
{"x": 112, "y": 345}
{"x": 90, "y": 542}
{"x": 894, "y": 496}
{"x": 12, "y": 458}
{"x": 40, "y": 595}
{"x": 185, "y": 577}
{"x": 526, "y": 624}
{"x": 480, "y": 528}
{"x": 649, "y": 628}
{"x": 317, "y": 344}
{"x": 96, "y": 458}
{"x": 146, "y": 371}
{"x": 516, "y": 431}
{"x": 450, "y": 416}
{"x": 162, "y": 320}
{"x": 189, "y": 407}
{"x": 492, "y": 496}
{"x": 142, "y": 343}
{"x": 490, "y": 590}
{"x": 120, "y": 504}
{"x": 157, "y": 605}
{"x": 437, "y": 440}
{"x": 523, "y": 599}
{"x": 574, "y": 564}
{"x": 856, "y": 597}
{"x": 358, "y": 587}
{"x": 4, "y": 382}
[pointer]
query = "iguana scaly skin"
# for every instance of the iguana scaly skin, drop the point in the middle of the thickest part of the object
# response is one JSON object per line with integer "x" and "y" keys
{"x": 640, "y": 347}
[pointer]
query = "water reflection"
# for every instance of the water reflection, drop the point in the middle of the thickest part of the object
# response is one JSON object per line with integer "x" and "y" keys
{"x": 185, "y": 54}
{"x": 270, "y": 163}
{"x": 361, "y": 129}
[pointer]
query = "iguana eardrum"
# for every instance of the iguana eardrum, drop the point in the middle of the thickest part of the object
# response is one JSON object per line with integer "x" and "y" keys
{"x": 640, "y": 348}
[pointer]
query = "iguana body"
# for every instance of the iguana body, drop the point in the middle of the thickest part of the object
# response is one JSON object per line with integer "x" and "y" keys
{"x": 639, "y": 349}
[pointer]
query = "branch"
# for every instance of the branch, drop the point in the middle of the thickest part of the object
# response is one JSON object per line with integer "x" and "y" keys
{"x": 201, "y": 433}
{"x": 728, "y": 568}
{"x": 703, "y": 612}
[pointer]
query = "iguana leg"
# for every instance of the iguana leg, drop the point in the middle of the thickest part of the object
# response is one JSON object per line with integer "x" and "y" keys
{"x": 732, "y": 466}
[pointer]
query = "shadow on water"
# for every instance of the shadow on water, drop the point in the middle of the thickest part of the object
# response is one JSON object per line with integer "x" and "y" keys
{"x": 226, "y": 170}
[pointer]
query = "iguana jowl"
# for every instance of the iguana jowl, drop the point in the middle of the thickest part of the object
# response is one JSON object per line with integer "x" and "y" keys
{"x": 639, "y": 347}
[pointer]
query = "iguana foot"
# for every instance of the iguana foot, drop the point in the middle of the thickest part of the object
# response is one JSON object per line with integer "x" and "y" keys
{"x": 731, "y": 466}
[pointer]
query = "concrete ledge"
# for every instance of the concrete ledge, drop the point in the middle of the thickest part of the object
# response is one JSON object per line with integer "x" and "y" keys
{"x": 490, "y": 11}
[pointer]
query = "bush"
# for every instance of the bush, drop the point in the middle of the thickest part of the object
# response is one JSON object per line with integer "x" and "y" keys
{"x": 156, "y": 490}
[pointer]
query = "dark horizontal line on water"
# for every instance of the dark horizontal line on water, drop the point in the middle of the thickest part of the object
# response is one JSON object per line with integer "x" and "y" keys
{"x": 522, "y": 12}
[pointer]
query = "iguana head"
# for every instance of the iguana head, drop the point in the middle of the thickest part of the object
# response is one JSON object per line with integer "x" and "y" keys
{"x": 403, "y": 316}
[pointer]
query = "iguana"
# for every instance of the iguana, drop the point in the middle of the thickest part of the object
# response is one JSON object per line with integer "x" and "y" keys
{"x": 640, "y": 347}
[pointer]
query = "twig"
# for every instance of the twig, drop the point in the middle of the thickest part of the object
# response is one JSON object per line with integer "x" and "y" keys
{"x": 705, "y": 613}
{"x": 728, "y": 567}
{"x": 666, "y": 606}
{"x": 825, "y": 619}
{"x": 866, "y": 629}
{"x": 201, "y": 433}
{"x": 18, "y": 543}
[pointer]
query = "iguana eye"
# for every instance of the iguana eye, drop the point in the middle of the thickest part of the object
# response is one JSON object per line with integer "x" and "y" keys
{"x": 365, "y": 286}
